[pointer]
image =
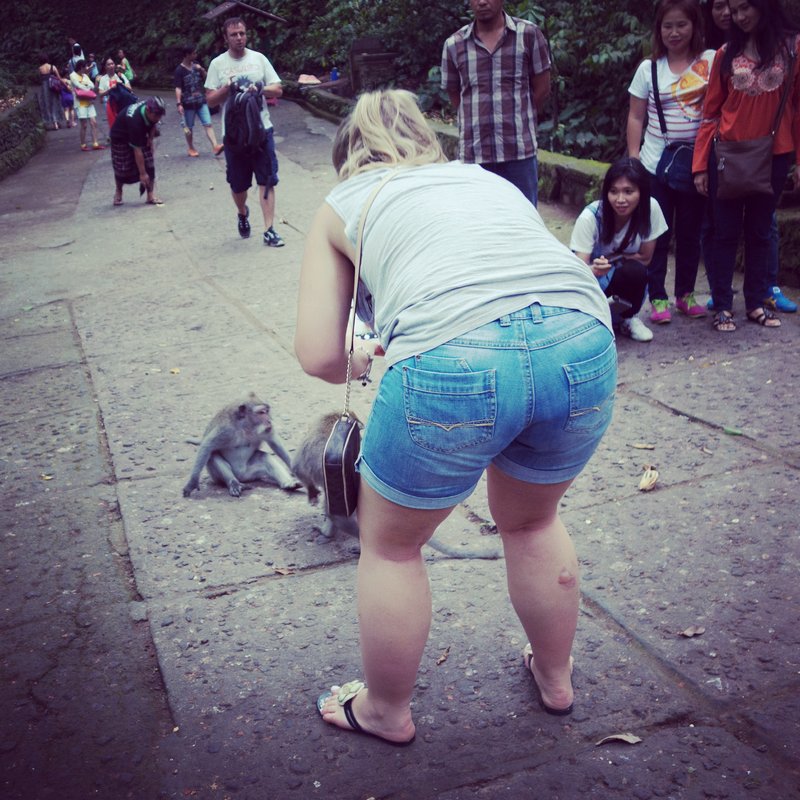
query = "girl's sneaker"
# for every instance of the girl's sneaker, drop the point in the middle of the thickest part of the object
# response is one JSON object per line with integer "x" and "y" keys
{"x": 635, "y": 329}
{"x": 778, "y": 301}
{"x": 660, "y": 313}
{"x": 689, "y": 306}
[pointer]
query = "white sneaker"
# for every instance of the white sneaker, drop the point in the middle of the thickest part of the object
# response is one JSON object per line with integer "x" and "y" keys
{"x": 635, "y": 329}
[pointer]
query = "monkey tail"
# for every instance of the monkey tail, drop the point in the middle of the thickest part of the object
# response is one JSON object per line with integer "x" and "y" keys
{"x": 490, "y": 553}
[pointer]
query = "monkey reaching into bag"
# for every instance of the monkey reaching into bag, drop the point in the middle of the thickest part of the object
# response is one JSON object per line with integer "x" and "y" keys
{"x": 308, "y": 467}
{"x": 231, "y": 450}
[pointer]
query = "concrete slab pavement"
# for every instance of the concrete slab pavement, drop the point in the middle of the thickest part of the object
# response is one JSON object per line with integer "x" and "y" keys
{"x": 164, "y": 647}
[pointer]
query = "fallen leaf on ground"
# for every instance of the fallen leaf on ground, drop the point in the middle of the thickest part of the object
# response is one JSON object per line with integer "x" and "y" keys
{"x": 628, "y": 738}
{"x": 175, "y": 371}
{"x": 648, "y": 480}
{"x": 643, "y": 446}
{"x": 731, "y": 431}
{"x": 284, "y": 570}
{"x": 706, "y": 451}
{"x": 443, "y": 657}
{"x": 693, "y": 630}
{"x": 45, "y": 477}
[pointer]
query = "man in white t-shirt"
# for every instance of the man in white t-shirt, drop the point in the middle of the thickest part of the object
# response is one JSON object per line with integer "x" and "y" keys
{"x": 247, "y": 69}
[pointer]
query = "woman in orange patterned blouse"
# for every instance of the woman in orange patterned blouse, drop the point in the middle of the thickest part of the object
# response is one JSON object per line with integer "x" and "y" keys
{"x": 744, "y": 93}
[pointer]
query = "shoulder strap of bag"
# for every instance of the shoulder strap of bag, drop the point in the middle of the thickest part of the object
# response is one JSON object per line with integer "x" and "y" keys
{"x": 356, "y": 276}
{"x": 787, "y": 86}
{"x": 661, "y": 121}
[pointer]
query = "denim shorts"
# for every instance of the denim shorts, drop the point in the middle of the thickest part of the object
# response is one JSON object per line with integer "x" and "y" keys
{"x": 242, "y": 166}
{"x": 202, "y": 113}
{"x": 531, "y": 393}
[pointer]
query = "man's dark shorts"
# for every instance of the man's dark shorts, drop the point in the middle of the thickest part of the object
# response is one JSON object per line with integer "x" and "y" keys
{"x": 263, "y": 164}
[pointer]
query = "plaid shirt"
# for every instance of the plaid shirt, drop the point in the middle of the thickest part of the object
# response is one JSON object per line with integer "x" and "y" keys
{"x": 497, "y": 113}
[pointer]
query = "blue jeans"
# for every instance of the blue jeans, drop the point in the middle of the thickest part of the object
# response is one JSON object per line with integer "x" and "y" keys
{"x": 684, "y": 213}
{"x": 531, "y": 393}
{"x": 202, "y": 113}
{"x": 754, "y": 215}
{"x": 524, "y": 174}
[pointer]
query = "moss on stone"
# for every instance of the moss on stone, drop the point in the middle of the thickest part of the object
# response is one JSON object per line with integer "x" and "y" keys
{"x": 21, "y": 134}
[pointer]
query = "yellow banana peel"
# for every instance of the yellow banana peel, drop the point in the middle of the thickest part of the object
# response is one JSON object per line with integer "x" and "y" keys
{"x": 648, "y": 480}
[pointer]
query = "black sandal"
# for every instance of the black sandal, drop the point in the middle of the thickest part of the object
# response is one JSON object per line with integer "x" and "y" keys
{"x": 723, "y": 322}
{"x": 764, "y": 317}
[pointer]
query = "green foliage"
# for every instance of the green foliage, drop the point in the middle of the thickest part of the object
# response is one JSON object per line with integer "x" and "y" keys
{"x": 595, "y": 47}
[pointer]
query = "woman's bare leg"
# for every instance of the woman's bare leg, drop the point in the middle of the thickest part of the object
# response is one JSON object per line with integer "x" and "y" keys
{"x": 394, "y": 612}
{"x": 542, "y": 576}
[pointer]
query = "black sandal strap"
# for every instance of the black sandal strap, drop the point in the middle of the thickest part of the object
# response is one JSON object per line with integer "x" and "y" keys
{"x": 350, "y": 716}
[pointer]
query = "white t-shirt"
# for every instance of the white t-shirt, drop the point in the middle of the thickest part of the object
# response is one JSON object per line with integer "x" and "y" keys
{"x": 81, "y": 82}
{"x": 250, "y": 68}
{"x": 586, "y": 233}
{"x": 450, "y": 247}
{"x": 106, "y": 82}
{"x": 681, "y": 101}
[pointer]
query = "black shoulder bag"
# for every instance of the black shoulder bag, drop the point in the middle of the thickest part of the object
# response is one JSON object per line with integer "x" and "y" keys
{"x": 675, "y": 165}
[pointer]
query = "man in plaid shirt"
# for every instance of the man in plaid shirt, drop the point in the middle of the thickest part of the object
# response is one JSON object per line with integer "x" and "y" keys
{"x": 496, "y": 72}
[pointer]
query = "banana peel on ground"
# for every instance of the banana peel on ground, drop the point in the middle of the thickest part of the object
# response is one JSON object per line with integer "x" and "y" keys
{"x": 649, "y": 479}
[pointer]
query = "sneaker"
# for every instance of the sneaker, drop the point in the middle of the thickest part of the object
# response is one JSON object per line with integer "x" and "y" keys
{"x": 689, "y": 306}
{"x": 660, "y": 313}
{"x": 635, "y": 329}
{"x": 244, "y": 225}
{"x": 218, "y": 149}
{"x": 271, "y": 239}
{"x": 778, "y": 301}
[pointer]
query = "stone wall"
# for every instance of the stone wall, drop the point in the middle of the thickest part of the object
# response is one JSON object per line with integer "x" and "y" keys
{"x": 21, "y": 133}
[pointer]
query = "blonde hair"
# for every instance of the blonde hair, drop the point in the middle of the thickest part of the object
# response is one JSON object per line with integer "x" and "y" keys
{"x": 386, "y": 128}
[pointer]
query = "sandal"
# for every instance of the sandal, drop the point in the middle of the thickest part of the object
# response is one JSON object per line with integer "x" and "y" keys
{"x": 764, "y": 317}
{"x": 527, "y": 657}
{"x": 344, "y": 697}
{"x": 155, "y": 201}
{"x": 723, "y": 322}
{"x": 117, "y": 201}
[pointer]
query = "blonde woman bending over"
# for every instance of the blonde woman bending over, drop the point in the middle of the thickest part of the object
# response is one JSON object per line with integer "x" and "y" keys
{"x": 500, "y": 359}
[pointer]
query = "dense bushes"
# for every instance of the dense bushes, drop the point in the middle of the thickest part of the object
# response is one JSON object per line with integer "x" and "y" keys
{"x": 595, "y": 47}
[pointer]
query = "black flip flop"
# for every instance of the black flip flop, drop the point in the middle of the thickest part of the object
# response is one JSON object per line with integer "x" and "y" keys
{"x": 527, "y": 656}
{"x": 347, "y": 705}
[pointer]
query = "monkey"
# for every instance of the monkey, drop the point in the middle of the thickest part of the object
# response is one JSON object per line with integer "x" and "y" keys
{"x": 231, "y": 449}
{"x": 307, "y": 466}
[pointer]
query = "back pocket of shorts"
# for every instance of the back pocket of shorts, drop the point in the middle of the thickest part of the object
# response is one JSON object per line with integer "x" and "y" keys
{"x": 591, "y": 391}
{"x": 446, "y": 412}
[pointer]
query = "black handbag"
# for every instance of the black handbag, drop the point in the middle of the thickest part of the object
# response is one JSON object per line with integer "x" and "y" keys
{"x": 344, "y": 442}
{"x": 745, "y": 167}
{"x": 675, "y": 165}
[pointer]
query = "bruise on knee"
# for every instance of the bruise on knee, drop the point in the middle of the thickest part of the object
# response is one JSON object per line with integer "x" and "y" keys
{"x": 566, "y": 579}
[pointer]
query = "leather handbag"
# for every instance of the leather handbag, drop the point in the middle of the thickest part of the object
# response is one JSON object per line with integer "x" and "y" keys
{"x": 85, "y": 94}
{"x": 745, "y": 167}
{"x": 344, "y": 442}
{"x": 675, "y": 165}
